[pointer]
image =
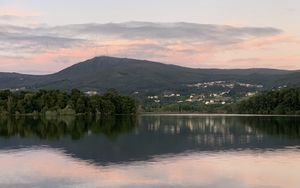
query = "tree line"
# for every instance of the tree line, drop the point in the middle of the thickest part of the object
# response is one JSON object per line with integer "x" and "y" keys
{"x": 187, "y": 107}
{"x": 56, "y": 102}
{"x": 283, "y": 101}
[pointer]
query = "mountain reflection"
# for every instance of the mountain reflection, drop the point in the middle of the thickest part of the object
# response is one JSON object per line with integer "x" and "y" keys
{"x": 127, "y": 138}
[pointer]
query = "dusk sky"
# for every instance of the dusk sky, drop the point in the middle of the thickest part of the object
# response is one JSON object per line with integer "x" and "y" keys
{"x": 40, "y": 37}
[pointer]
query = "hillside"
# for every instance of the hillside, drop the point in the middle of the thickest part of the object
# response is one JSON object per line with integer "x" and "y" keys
{"x": 129, "y": 75}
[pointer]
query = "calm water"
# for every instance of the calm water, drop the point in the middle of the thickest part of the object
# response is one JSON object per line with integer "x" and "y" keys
{"x": 151, "y": 151}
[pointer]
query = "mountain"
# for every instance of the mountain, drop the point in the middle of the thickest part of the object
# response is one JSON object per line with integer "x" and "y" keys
{"x": 129, "y": 75}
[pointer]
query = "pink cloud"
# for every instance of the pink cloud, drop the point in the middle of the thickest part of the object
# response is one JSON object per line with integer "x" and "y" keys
{"x": 265, "y": 41}
{"x": 16, "y": 11}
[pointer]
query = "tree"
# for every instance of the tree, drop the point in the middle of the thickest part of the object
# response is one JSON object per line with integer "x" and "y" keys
{"x": 55, "y": 102}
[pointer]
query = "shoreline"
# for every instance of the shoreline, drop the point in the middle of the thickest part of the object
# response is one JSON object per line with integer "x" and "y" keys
{"x": 155, "y": 114}
{"x": 216, "y": 114}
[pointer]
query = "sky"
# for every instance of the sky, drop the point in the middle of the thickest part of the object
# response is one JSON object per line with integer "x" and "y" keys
{"x": 41, "y": 37}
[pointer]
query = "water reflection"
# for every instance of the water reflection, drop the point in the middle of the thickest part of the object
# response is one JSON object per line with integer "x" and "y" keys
{"x": 150, "y": 151}
{"x": 125, "y": 139}
{"x": 46, "y": 167}
{"x": 59, "y": 127}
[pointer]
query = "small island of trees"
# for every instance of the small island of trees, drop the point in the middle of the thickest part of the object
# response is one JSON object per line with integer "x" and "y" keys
{"x": 55, "y": 102}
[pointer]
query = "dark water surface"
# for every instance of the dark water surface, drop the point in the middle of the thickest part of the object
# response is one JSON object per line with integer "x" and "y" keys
{"x": 151, "y": 151}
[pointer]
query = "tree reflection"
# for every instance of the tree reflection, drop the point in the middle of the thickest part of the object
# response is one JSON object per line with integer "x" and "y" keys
{"x": 280, "y": 126}
{"x": 73, "y": 126}
{"x": 123, "y": 139}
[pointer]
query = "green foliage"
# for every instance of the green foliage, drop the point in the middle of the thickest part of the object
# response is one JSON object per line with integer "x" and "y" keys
{"x": 285, "y": 101}
{"x": 194, "y": 107}
{"x": 54, "y": 102}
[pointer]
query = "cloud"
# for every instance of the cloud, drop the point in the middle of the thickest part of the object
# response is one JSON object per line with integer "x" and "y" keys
{"x": 161, "y": 34}
{"x": 19, "y": 16}
{"x": 17, "y": 12}
{"x": 38, "y": 40}
{"x": 9, "y": 17}
{"x": 29, "y": 41}
{"x": 256, "y": 62}
{"x": 269, "y": 40}
{"x": 190, "y": 43}
{"x": 220, "y": 34}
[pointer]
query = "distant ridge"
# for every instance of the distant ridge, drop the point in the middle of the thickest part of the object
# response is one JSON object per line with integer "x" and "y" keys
{"x": 129, "y": 75}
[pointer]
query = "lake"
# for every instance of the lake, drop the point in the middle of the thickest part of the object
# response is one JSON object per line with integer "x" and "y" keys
{"x": 161, "y": 151}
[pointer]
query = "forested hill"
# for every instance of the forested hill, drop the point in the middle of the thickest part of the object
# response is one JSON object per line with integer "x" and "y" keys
{"x": 130, "y": 75}
{"x": 284, "y": 101}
